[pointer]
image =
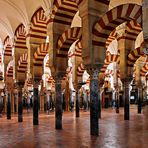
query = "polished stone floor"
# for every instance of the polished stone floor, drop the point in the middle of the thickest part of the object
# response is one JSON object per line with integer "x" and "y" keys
{"x": 114, "y": 131}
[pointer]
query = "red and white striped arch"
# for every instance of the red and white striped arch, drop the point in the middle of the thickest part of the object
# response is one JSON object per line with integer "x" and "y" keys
{"x": 64, "y": 11}
{"x": 132, "y": 31}
{"x": 20, "y": 37}
{"x": 22, "y": 63}
{"x": 80, "y": 70}
{"x": 10, "y": 67}
{"x": 8, "y": 46}
{"x": 67, "y": 39}
{"x": 39, "y": 55}
{"x": 78, "y": 49}
{"x": 134, "y": 55}
{"x": 112, "y": 19}
{"x": 38, "y": 25}
{"x": 112, "y": 36}
{"x": 110, "y": 59}
{"x": 144, "y": 70}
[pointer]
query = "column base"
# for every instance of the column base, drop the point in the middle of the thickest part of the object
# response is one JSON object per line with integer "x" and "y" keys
{"x": 20, "y": 119}
{"x": 139, "y": 111}
{"x": 126, "y": 117}
{"x": 77, "y": 114}
{"x": 9, "y": 118}
{"x": 94, "y": 128}
{"x": 58, "y": 124}
{"x": 35, "y": 122}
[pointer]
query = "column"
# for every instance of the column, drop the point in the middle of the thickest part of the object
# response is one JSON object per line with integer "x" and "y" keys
{"x": 8, "y": 97}
{"x": 126, "y": 86}
{"x": 139, "y": 99}
{"x": 58, "y": 102}
{"x": 20, "y": 101}
{"x": 12, "y": 102}
{"x": 117, "y": 97}
{"x": 94, "y": 102}
{"x": 36, "y": 102}
{"x": 77, "y": 103}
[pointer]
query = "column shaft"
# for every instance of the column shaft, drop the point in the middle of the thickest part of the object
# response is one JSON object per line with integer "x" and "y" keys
{"x": 8, "y": 106}
{"x": 35, "y": 106}
{"x": 126, "y": 84}
{"x": 20, "y": 106}
{"x": 77, "y": 104}
{"x": 58, "y": 105}
{"x": 94, "y": 103}
{"x": 139, "y": 99}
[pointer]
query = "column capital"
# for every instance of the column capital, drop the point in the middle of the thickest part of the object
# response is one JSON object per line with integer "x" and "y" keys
{"x": 36, "y": 82}
{"x": 19, "y": 84}
{"x": 128, "y": 79}
{"x": 94, "y": 70}
{"x": 59, "y": 76}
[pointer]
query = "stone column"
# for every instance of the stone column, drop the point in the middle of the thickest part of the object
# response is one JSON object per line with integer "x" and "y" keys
{"x": 8, "y": 97}
{"x": 126, "y": 86}
{"x": 139, "y": 99}
{"x": 58, "y": 101}
{"x": 5, "y": 103}
{"x": 77, "y": 103}
{"x": 20, "y": 101}
{"x": 117, "y": 97}
{"x": 94, "y": 101}
{"x": 12, "y": 102}
{"x": 36, "y": 102}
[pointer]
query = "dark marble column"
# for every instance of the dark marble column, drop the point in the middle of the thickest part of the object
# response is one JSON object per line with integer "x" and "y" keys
{"x": 58, "y": 102}
{"x": 94, "y": 102}
{"x": 20, "y": 101}
{"x": 117, "y": 101}
{"x": 8, "y": 106}
{"x": 126, "y": 85}
{"x": 139, "y": 99}
{"x": 117, "y": 97}
{"x": 36, "y": 102}
{"x": 77, "y": 103}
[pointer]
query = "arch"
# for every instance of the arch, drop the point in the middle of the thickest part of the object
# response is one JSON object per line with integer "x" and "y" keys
{"x": 144, "y": 69}
{"x": 134, "y": 55}
{"x": 66, "y": 40}
{"x": 38, "y": 27}
{"x": 78, "y": 49}
{"x": 112, "y": 36}
{"x": 7, "y": 46}
{"x": 110, "y": 59}
{"x": 20, "y": 37}
{"x": 22, "y": 63}
{"x": 64, "y": 11}
{"x": 132, "y": 31}
{"x": 111, "y": 20}
{"x": 40, "y": 53}
{"x": 80, "y": 70}
{"x": 10, "y": 67}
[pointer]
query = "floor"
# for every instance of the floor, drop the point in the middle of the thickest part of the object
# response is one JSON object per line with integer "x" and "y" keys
{"x": 114, "y": 131}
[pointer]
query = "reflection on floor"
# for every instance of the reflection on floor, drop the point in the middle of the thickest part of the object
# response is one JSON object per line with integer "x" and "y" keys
{"x": 114, "y": 131}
